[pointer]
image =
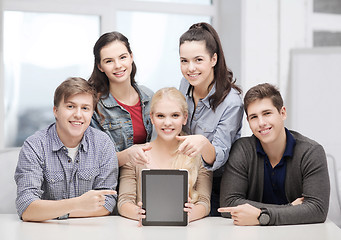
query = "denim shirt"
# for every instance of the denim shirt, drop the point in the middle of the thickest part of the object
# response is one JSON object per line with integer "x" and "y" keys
{"x": 221, "y": 127}
{"x": 117, "y": 121}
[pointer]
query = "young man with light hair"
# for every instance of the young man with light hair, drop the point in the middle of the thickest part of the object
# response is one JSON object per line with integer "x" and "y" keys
{"x": 68, "y": 169}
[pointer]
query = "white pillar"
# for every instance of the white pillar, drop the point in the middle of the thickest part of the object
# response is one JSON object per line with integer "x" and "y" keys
{"x": 2, "y": 100}
{"x": 258, "y": 36}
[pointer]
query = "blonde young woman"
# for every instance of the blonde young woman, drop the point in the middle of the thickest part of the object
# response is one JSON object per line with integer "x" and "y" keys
{"x": 168, "y": 115}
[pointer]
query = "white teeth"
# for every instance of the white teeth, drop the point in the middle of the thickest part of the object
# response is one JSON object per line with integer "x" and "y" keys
{"x": 119, "y": 73}
{"x": 264, "y": 131}
{"x": 76, "y": 123}
{"x": 167, "y": 130}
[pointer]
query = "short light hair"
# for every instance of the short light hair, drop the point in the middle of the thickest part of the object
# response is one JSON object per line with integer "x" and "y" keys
{"x": 261, "y": 91}
{"x": 73, "y": 86}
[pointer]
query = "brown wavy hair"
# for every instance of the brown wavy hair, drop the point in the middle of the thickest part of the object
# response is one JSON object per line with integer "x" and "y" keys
{"x": 98, "y": 79}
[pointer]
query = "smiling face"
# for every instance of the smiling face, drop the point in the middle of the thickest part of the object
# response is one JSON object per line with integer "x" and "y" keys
{"x": 168, "y": 118}
{"x": 116, "y": 62}
{"x": 266, "y": 122}
{"x": 73, "y": 117}
{"x": 197, "y": 66}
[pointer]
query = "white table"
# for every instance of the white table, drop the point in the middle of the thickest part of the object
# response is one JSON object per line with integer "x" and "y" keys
{"x": 119, "y": 228}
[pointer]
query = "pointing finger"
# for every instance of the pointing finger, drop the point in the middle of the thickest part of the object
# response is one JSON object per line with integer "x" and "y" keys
{"x": 146, "y": 147}
{"x": 225, "y": 209}
{"x": 181, "y": 138}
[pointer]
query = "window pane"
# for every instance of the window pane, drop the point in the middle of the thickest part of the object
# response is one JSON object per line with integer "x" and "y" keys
{"x": 40, "y": 51}
{"x": 327, "y": 6}
{"x": 203, "y": 2}
{"x": 327, "y": 39}
{"x": 154, "y": 39}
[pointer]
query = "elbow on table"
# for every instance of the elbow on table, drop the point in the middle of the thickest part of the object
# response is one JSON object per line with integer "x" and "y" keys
{"x": 28, "y": 218}
{"x": 323, "y": 217}
{"x": 321, "y": 214}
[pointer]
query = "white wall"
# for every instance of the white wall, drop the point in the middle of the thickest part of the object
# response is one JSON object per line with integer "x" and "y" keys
{"x": 1, "y": 76}
{"x": 257, "y": 37}
{"x": 315, "y": 87}
{"x": 230, "y": 29}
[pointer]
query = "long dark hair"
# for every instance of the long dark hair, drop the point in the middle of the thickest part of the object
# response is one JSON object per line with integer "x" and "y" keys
{"x": 223, "y": 76}
{"x": 98, "y": 79}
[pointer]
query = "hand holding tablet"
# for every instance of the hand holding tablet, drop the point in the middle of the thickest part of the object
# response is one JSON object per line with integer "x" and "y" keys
{"x": 164, "y": 194}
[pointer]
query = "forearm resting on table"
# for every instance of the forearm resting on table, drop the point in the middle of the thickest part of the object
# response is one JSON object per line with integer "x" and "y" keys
{"x": 102, "y": 211}
{"x": 42, "y": 210}
{"x": 198, "y": 212}
{"x": 129, "y": 210}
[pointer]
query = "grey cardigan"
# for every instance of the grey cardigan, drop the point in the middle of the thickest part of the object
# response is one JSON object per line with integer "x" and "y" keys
{"x": 306, "y": 176}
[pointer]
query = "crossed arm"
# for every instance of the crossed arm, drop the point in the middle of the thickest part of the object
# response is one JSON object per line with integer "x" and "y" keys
{"x": 246, "y": 214}
{"x": 90, "y": 204}
{"x": 307, "y": 188}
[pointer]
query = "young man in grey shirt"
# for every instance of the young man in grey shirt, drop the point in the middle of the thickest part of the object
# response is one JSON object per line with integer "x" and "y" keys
{"x": 276, "y": 176}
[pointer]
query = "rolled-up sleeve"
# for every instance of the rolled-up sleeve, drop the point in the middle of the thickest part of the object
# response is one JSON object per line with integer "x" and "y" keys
{"x": 222, "y": 126}
{"x": 28, "y": 177}
{"x": 129, "y": 180}
{"x": 225, "y": 133}
{"x": 107, "y": 178}
{"x": 203, "y": 186}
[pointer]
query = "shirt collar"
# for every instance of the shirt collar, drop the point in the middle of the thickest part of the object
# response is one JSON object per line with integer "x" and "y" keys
{"x": 289, "y": 148}
{"x": 110, "y": 101}
{"x": 205, "y": 100}
{"x": 57, "y": 144}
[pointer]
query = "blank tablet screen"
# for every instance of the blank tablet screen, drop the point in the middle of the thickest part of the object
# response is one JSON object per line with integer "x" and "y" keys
{"x": 164, "y": 193}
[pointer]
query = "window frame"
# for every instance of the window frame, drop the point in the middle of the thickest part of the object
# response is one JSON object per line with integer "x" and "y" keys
{"x": 330, "y": 22}
{"x": 107, "y": 15}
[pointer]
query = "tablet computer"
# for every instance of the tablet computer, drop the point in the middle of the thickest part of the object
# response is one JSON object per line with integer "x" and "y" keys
{"x": 164, "y": 194}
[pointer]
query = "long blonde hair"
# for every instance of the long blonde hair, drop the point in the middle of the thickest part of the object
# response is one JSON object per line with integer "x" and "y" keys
{"x": 181, "y": 161}
{"x": 192, "y": 165}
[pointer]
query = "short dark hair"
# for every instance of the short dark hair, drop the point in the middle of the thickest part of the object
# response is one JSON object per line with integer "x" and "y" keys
{"x": 73, "y": 86}
{"x": 261, "y": 91}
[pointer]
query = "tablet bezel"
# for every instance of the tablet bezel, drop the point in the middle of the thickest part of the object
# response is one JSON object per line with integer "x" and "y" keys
{"x": 177, "y": 172}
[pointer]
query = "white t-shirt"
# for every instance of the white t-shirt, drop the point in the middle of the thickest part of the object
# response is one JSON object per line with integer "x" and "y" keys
{"x": 72, "y": 152}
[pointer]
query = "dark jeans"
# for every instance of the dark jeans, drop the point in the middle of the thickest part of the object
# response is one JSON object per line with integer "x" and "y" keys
{"x": 215, "y": 197}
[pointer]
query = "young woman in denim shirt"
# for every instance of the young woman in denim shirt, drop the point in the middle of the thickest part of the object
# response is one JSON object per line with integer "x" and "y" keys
{"x": 214, "y": 104}
{"x": 123, "y": 108}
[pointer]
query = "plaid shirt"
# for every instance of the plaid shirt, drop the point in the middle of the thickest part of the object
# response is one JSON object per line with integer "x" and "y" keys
{"x": 45, "y": 171}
